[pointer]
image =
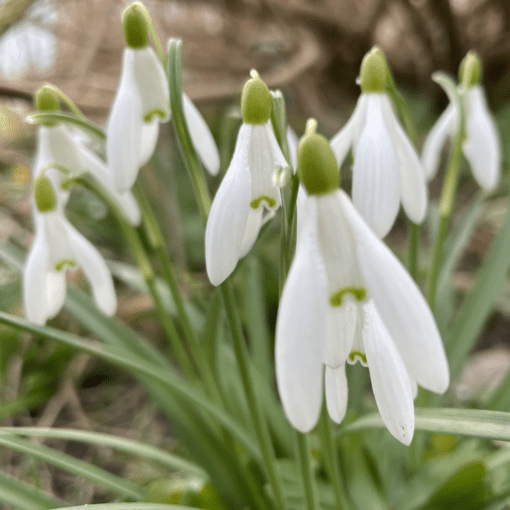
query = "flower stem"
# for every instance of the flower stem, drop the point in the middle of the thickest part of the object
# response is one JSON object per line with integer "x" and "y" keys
{"x": 413, "y": 249}
{"x": 66, "y": 100}
{"x": 311, "y": 497}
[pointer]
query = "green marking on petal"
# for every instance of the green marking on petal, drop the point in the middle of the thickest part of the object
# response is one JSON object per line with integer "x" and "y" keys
{"x": 148, "y": 116}
{"x": 59, "y": 266}
{"x": 336, "y": 298}
{"x": 357, "y": 356}
{"x": 271, "y": 202}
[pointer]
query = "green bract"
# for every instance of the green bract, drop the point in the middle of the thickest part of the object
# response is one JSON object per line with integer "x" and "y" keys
{"x": 45, "y": 198}
{"x": 373, "y": 72}
{"x": 255, "y": 101}
{"x": 317, "y": 167}
{"x": 470, "y": 70}
{"x": 134, "y": 23}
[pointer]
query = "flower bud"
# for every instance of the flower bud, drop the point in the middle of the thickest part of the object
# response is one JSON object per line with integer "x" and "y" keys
{"x": 470, "y": 70}
{"x": 317, "y": 167}
{"x": 44, "y": 195}
{"x": 134, "y": 23}
{"x": 373, "y": 72}
{"x": 255, "y": 101}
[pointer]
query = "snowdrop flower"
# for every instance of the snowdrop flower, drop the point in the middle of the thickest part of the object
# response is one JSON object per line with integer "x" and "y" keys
{"x": 59, "y": 150}
{"x": 348, "y": 297}
{"x": 247, "y": 188}
{"x": 58, "y": 246}
{"x": 386, "y": 168}
{"x": 481, "y": 145}
{"x": 142, "y": 101}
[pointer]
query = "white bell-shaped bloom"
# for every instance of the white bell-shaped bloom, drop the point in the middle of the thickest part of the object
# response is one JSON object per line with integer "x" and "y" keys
{"x": 481, "y": 146}
{"x": 142, "y": 101}
{"x": 58, "y": 246}
{"x": 58, "y": 146}
{"x": 347, "y": 297}
{"x": 386, "y": 168}
{"x": 247, "y": 188}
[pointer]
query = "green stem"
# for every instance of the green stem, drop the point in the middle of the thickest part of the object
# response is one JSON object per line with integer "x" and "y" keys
{"x": 259, "y": 421}
{"x": 66, "y": 100}
{"x": 413, "y": 249}
{"x": 152, "y": 30}
{"x": 311, "y": 497}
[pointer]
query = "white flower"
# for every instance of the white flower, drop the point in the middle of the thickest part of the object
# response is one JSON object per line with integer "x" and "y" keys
{"x": 386, "y": 168}
{"x": 481, "y": 146}
{"x": 345, "y": 293}
{"x": 247, "y": 188}
{"x": 142, "y": 101}
{"x": 57, "y": 145}
{"x": 57, "y": 246}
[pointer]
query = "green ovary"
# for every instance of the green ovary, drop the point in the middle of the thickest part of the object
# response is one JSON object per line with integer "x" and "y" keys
{"x": 60, "y": 265}
{"x": 336, "y": 298}
{"x": 271, "y": 202}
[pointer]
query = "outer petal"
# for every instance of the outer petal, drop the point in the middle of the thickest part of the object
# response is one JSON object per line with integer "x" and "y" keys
{"x": 252, "y": 231}
{"x": 55, "y": 292}
{"x": 348, "y": 136}
{"x": 201, "y": 136}
{"x": 152, "y": 84}
{"x": 336, "y": 393}
{"x": 388, "y": 374}
{"x": 95, "y": 270}
{"x": 300, "y": 329}
{"x": 292, "y": 142}
{"x": 401, "y": 305}
{"x": 413, "y": 186}
{"x": 481, "y": 146}
{"x": 148, "y": 141}
{"x": 96, "y": 167}
{"x": 262, "y": 166}
{"x": 375, "y": 179}
{"x": 226, "y": 225}
{"x": 436, "y": 139}
{"x": 124, "y": 130}
{"x": 278, "y": 157}
{"x": 34, "y": 282}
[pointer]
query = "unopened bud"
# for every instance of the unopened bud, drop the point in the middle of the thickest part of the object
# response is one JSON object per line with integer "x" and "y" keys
{"x": 470, "y": 70}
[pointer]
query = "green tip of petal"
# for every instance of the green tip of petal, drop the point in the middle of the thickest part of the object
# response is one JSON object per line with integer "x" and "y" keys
{"x": 62, "y": 264}
{"x": 46, "y": 100}
{"x": 134, "y": 23}
{"x": 374, "y": 71}
{"x": 359, "y": 294}
{"x": 470, "y": 70}
{"x": 256, "y": 101}
{"x": 44, "y": 195}
{"x": 317, "y": 167}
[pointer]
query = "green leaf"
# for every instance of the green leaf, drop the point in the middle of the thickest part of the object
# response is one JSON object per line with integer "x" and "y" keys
{"x": 72, "y": 465}
{"x": 40, "y": 118}
{"x": 119, "y": 443}
{"x": 130, "y": 506}
{"x": 465, "y": 422}
{"x": 23, "y": 496}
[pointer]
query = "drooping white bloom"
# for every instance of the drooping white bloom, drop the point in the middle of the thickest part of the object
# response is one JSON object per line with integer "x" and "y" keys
{"x": 58, "y": 246}
{"x": 481, "y": 145}
{"x": 348, "y": 296}
{"x": 142, "y": 101}
{"x": 386, "y": 168}
{"x": 246, "y": 190}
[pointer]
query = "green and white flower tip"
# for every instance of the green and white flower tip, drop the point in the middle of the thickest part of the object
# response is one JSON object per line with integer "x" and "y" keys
{"x": 387, "y": 169}
{"x": 248, "y": 188}
{"x": 347, "y": 298}
{"x": 58, "y": 246}
{"x": 481, "y": 146}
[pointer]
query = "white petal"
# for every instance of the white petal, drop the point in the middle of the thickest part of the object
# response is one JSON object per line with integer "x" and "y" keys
{"x": 152, "y": 84}
{"x": 436, "y": 139}
{"x": 341, "y": 324}
{"x": 95, "y": 269}
{"x": 300, "y": 204}
{"x": 148, "y": 140}
{"x": 292, "y": 142}
{"x": 388, "y": 374}
{"x": 262, "y": 166}
{"x": 348, "y": 136}
{"x": 201, "y": 136}
{"x": 413, "y": 185}
{"x": 401, "y": 305}
{"x": 226, "y": 225}
{"x": 252, "y": 231}
{"x": 278, "y": 157}
{"x": 98, "y": 169}
{"x": 375, "y": 177}
{"x": 34, "y": 282}
{"x": 54, "y": 225}
{"x": 300, "y": 330}
{"x": 336, "y": 393}
{"x": 124, "y": 130}
{"x": 55, "y": 292}
{"x": 481, "y": 146}
{"x": 414, "y": 387}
